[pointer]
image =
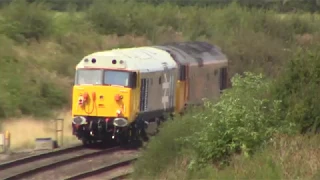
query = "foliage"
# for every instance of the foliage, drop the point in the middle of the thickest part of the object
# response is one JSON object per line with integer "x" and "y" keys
{"x": 24, "y": 90}
{"x": 279, "y": 5}
{"x": 24, "y": 20}
{"x": 244, "y": 119}
{"x": 298, "y": 89}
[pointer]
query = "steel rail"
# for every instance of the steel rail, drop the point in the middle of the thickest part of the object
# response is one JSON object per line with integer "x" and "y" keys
{"x": 29, "y": 172}
{"x": 28, "y": 159}
{"x": 102, "y": 169}
{"x": 121, "y": 176}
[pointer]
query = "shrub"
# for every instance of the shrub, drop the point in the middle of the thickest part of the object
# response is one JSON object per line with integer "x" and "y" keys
{"x": 241, "y": 121}
{"x": 26, "y": 20}
{"x": 26, "y": 91}
{"x": 70, "y": 21}
{"x": 298, "y": 88}
{"x": 244, "y": 119}
{"x": 109, "y": 17}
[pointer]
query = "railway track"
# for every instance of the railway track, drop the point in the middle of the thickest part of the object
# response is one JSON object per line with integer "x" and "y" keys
{"x": 118, "y": 170}
{"x": 52, "y": 164}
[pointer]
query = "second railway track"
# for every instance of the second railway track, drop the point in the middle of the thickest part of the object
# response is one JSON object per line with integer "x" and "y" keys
{"x": 61, "y": 163}
{"x": 117, "y": 170}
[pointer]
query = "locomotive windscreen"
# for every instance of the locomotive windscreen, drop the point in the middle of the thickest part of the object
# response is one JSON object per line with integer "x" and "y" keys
{"x": 105, "y": 77}
{"x": 119, "y": 78}
{"x": 88, "y": 76}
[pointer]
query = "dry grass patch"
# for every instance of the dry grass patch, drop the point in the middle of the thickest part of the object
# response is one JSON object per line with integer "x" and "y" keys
{"x": 179, "y": 173}
{"x": 286, "y": 157}
{"x": 298, "y": 157}
{"x": 295, "y": 157}
{"x": 25, "y": 130}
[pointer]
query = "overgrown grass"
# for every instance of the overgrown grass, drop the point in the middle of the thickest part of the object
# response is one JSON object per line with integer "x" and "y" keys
{"x": 286, "y": 157}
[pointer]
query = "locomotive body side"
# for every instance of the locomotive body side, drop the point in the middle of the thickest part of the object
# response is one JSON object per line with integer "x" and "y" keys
{"x": 202, "y": 72}
{"x": 157, "y": 85}
{"x": 207, "y": 72}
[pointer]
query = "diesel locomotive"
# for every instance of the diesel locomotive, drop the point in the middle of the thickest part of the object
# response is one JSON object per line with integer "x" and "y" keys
{"x": 124, "y": 94}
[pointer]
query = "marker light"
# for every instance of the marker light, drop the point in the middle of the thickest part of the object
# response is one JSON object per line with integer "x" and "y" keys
{"x": 85, "y": 96}
{"x": 117, "y": 97}
{"x": 93, "y": 96}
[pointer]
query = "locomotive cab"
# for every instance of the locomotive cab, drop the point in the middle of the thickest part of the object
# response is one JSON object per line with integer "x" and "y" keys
{"x": 102, "y": 102}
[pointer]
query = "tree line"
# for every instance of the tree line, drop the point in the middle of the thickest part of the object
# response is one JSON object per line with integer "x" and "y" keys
{"x": 278, "y": 5}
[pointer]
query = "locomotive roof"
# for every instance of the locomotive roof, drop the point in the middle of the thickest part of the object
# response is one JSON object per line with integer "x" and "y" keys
{"x": 194, "y": 52}
{"x": 139, "y": 58}
{"x": 153, "y": 58}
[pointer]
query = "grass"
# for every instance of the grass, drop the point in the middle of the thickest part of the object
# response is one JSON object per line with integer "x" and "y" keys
{"x": 287, "y": 157}
{"x": 40, "y": 48}
{"x": 33, "y": 128}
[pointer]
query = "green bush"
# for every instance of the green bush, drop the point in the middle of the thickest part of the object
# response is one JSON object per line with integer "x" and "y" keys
{"x": 109, "y": 17}
{"x": 241, "y": 121}
{"x": 21, "y": 19}
{"x": 298, "y": 89}
{"x": 24, "y": 90}
{"x": 244, "y": 119}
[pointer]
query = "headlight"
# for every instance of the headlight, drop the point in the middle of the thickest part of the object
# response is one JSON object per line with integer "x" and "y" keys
{"x": 120, "y": 122}
{"x": 79, "y": 120}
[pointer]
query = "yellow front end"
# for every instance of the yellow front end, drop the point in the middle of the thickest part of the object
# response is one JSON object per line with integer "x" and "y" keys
{"x": 103, "y": 101}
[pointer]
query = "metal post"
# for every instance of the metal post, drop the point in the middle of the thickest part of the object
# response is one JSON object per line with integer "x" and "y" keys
{"x": 2, "y": 142}
{"x": 7, "y": 141}
{"x": 56, "y": 131}
{"x": 62, "y": 127}
{"x": 59, "y": 130}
